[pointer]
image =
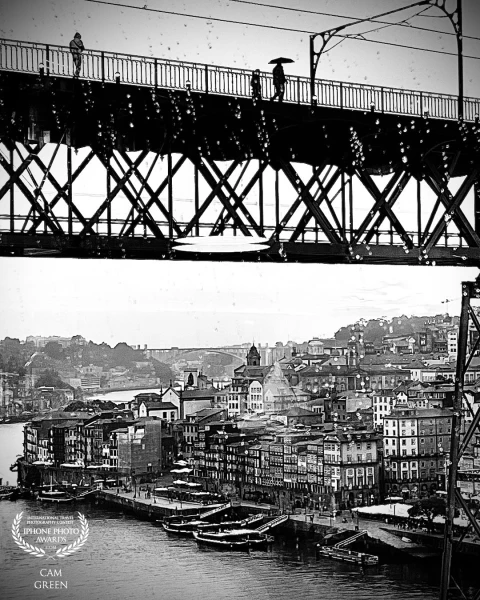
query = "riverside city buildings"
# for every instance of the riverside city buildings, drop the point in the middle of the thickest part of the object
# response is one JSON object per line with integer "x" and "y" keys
{"x": 416, "y": 447}
{"x": 111, "y": 441}
{"x": 289, "y": 466}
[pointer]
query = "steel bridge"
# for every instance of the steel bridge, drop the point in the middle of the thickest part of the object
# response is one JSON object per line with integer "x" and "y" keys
{"x": 140, "y": 152}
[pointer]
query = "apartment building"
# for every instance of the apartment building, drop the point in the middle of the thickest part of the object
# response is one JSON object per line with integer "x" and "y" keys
{"x": 334, "y": 468}
{"x": 383, "y": 401}
{"x": 416, "y": 447}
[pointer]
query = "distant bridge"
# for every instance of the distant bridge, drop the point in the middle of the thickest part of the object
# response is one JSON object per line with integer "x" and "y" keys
{"x": 173, "y": 354}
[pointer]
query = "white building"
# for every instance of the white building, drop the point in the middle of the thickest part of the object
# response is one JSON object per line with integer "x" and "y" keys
{"x": 255, "y": 397}
{"x": 383, "y": 401}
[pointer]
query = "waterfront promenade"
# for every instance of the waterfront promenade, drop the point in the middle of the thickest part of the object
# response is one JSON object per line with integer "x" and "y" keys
{"x": 159, "y": 506}
{"x": 421, "y": 544}
{"x": 141, "y": 501}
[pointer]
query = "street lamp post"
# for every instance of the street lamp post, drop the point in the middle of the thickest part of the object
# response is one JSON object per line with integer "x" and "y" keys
{"x": 455, "y": 18}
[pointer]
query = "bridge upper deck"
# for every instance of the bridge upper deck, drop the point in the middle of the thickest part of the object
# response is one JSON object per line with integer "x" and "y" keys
{"x": 27, "y": 57}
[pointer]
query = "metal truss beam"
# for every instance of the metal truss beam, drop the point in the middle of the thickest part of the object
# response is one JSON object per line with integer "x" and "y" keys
{"x": 318, "y": 184}
{"x": 326, "y": 214}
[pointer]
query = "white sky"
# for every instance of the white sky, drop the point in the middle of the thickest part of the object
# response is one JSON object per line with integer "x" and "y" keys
{"x": 179, "y": 303}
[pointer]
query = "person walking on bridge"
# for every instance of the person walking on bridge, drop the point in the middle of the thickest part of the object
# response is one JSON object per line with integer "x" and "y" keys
{"x": 279, "y": 81}
{"x": 256, "y": 85}
{"x": 76, "y": 48}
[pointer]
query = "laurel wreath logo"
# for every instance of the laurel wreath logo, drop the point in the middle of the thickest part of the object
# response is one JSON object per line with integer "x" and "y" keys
{"x": 40, "y": 552}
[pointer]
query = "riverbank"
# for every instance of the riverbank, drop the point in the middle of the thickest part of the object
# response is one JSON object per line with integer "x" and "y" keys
{"x": 382, "y": 539}
{"x": 111, "y": 390}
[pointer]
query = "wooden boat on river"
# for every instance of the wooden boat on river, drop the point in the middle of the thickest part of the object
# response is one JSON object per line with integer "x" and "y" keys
{"x": 235, "y": 539}
{"x": 7, "y": 493}
{"x": 228, "y": 525}
{"x": 183, "y": 527}
{"x": 54, "y": 496}
{"x": 342, "y": 554}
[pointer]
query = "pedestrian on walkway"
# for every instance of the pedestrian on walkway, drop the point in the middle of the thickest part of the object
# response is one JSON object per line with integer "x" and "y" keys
{"x": 76, "y": 48}
{"x": 279, "y": 81}
{"x": 256, "y": 85}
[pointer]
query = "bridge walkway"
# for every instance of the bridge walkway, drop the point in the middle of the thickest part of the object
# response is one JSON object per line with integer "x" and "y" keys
{"x": 115, "y": 67}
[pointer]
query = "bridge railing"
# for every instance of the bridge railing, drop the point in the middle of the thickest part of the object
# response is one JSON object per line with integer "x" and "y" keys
{"x": 30, "y": 57}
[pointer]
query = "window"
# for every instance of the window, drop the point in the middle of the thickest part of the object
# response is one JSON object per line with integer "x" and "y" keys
{"x": 404, "y": 442}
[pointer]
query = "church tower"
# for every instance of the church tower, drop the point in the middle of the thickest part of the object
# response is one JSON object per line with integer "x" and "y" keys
{"x": 253, "y": 357}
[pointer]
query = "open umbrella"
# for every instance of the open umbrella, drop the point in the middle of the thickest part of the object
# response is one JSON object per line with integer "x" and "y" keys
{"x": 280, "y": 60}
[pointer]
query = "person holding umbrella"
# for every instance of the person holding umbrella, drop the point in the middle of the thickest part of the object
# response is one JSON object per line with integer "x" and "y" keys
{"x": 279, "y": 78}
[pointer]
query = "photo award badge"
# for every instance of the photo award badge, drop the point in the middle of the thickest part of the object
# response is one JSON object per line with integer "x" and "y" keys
{"x": 50, "y": 537}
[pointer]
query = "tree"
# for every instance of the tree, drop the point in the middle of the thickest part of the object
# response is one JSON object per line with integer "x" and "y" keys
{"x": 50, "y": 378}
{"x": 429, "y": 508}
{"x": 162, "y": 371}
{"x": 54, "y": 350}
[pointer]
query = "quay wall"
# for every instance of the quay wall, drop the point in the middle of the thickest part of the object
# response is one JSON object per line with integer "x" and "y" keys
{"x": 466, "y": 547}
{"x": 139, "y": 508}
{"x": 29, "y": 474}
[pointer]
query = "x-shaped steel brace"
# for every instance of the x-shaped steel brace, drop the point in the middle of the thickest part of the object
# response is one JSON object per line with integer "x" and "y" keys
{"x": 383, "y": 206}
{"x": 155, "y": 199}
{"x": 216, "y": 186}
{"x": 452, "y": 204}
{"x": 313, "y": 206}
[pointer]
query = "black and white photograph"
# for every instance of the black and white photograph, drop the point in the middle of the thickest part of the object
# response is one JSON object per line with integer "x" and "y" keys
{"x": 240, "y": 299}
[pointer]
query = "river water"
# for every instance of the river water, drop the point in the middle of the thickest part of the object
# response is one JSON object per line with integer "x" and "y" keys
{"x": 123, "y": 395}
{"x": 124, "y": 558}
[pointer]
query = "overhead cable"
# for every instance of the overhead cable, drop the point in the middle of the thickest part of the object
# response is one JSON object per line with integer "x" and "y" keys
{"x": 275, "y": 27}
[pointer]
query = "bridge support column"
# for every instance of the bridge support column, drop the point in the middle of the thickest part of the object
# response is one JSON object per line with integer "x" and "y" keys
{"x": 459, "y": 440}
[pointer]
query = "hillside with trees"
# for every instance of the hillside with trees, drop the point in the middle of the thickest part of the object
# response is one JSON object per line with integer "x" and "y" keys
{"x": 375, "y": 329}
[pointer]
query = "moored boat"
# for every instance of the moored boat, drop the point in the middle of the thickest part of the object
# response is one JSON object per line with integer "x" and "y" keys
{"x": 235, "y": 539}
{"x": 54, "y": 496}
{"x": 7, "y": 492}
{"x": 342, "y": 554}
{"x": 228, "y": 525}
{"x": 183, "y": 528}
